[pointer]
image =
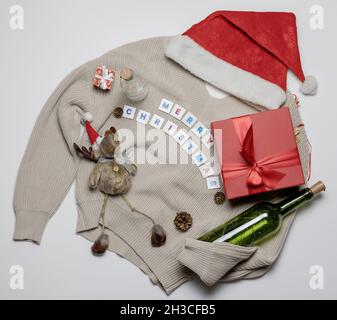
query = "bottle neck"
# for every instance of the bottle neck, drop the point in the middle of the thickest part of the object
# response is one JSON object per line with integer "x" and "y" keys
{"x": 295, "y": 201}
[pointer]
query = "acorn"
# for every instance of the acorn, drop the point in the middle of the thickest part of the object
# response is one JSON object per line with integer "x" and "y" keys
{"x": 100, "y": 245}
{"x": 118, "y": 112}
{"x": 219, "y": 198}
{"x": 183, "y": 221}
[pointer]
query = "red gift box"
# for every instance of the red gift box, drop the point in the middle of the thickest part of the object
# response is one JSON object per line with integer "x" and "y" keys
{"x": 257, "y": 153}
{"x": 104, "y": 77}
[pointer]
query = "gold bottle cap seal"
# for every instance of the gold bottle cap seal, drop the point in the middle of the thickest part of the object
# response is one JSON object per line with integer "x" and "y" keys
{"x": 317, "y": 187}
{"x": 126, "y": 74}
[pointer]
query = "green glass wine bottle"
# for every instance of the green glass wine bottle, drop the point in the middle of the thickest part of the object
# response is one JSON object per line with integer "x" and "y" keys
{"x": 261, "y": 221}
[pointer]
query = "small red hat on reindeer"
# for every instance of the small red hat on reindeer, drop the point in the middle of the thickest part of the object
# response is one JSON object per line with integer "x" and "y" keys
{"x": 94, "y": 138}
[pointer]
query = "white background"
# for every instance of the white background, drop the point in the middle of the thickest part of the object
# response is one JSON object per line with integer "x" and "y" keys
{"x": 61, "y": 35}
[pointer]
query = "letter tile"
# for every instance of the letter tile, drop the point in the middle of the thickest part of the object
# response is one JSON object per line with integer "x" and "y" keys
{"x": 213, "y": 182}
{"x": 129, "y": 112}
{"x": 206, "y": 170}
{"x": 190, "y": 146}
{"x": 166, "y": 106}
{"x": 199, "y": 130}
{"x": 143, "y": 116}
{"x": 189, "y": 119}
{"x": 170, "y": 128}
{"x": 157, "y": 121}
{"x": 207, "y": 140}
{"x": 199, "y": 158}
{"x": 181, "y": 136}
{"x": 178, "y": 111}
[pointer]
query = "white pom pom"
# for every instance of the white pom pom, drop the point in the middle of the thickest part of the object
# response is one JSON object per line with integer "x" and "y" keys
{"x": 309, "y": 86}
{"x": 87, "y": 116}
{"x": 95, "y": 146}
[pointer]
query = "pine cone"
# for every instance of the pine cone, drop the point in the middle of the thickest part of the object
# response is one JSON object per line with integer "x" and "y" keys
{"x": 219, "y": 198}
{"x": 183, "y": 221}
{"x": 118, "y": 112}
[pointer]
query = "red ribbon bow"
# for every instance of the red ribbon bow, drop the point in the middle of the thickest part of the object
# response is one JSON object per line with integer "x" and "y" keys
{"x": 261, "y": 173}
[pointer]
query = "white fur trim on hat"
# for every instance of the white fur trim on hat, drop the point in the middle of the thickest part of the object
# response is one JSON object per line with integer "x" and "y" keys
{"x": 223, "y": 75}
{"x": 309, "y": 86}
{"x": 87, "y": 116}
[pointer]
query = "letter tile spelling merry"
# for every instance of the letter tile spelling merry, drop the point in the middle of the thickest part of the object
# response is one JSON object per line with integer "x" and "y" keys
{"x": 166, "y": 106}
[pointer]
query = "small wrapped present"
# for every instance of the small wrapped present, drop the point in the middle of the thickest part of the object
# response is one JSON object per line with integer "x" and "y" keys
{"x": 258, "y": 153}
{"x": 103, "y": 78}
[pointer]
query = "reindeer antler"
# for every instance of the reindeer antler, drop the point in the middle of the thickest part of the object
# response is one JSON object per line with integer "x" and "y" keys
{"x": 85, "y": 153}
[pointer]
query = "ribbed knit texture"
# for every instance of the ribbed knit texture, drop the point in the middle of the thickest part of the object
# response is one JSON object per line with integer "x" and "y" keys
{"x": 50, "y": 165}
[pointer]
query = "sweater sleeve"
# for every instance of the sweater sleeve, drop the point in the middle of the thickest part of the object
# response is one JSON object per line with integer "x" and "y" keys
{"x": 49, "y": 164}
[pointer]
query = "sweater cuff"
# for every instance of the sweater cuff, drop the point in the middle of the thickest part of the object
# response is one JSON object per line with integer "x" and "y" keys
{"x": 30, "y": 225}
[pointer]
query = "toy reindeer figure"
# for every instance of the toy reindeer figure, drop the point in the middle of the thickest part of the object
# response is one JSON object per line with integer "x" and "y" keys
{"x": 112, "y": 176}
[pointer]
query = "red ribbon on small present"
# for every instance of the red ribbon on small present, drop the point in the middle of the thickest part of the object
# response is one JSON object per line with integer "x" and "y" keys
{"x": 262, "y": 174}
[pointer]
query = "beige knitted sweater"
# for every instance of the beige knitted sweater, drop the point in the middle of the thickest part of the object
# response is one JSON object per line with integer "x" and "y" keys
{"x": 50, "y": 166}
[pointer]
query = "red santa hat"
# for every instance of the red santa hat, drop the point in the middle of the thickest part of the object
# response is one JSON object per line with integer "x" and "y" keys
{"x": 94, "y": 138}
{"x": 246, "y": 54}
